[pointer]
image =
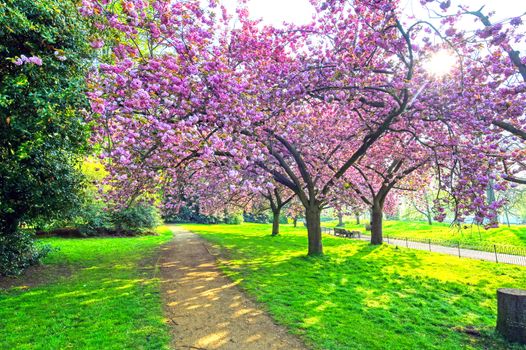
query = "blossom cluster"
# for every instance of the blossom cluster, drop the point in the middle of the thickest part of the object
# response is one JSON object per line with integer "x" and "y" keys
{"x": 28, "y": 60}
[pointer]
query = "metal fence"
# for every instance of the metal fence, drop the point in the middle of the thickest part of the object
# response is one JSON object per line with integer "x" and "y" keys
{"x": 491, "y": 252}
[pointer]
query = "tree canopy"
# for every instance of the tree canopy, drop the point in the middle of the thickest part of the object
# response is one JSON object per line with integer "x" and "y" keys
{"x": 343, "y": 109}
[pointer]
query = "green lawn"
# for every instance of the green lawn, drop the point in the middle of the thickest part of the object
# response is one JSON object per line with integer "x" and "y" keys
{"x": 110, "y": 301}
{"x": 363, "y": 297}
{"x": 471, "y": 235}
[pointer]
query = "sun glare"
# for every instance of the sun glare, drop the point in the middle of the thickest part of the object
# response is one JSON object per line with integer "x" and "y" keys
{"x": 440, "y": 63}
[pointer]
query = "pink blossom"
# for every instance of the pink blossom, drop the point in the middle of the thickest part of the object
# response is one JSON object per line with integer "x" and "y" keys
{"x": 30, "y": 60}
{"x": 97, "y": 44}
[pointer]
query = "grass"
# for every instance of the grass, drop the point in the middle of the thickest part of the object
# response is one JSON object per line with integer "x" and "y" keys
{"x": 110, "y": 301}
{"x": 363, "y": 297}
{"x": 471, "y": 235}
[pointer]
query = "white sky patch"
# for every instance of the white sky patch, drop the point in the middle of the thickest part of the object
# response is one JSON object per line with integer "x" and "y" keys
{"x": 441, "y": 63}
{"x": 278, "y": 11}
{"x": 503, "y": 8}
{"x": 275, "y": 12}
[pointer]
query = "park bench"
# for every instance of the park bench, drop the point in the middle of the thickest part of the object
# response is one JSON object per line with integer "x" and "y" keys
{"x": 345, "y": 233}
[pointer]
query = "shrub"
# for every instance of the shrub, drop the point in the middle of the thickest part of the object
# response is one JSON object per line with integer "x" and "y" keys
{"x": 234, "y": 219}
{"x": 260, "y": 218}
{"x": 18, "y": 251}
{"x": 95, "y": 220}
{"x": 283, "y": 219}
{"x": 139, "y": 218}
{"x": 205, "y": 219}
{"x": 187, "y": 214}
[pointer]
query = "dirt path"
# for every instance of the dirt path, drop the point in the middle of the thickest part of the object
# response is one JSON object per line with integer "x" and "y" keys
{"x": 206, "y": 310}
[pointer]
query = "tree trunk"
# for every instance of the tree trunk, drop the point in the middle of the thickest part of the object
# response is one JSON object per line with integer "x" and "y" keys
{"x": 295, "y": 221}
{"x": 511, "y": 314}
{"x": 357, "y": 219}
{"x": 428, "y": 213}
{"x": 340, "y": 218}
{"x": 312, "y": 216}
{"x": 376, "y": 224}
{"x": 490, "y": 193}
{"x": 275, "y": 222}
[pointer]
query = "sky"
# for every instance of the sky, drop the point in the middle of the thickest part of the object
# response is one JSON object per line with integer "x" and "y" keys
{"x": 275, "y": 12}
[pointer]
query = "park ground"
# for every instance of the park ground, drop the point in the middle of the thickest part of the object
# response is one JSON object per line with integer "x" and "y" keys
{"x": 107, "y": 293}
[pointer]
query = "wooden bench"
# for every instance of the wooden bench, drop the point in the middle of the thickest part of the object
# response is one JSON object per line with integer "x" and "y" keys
{"x": 345, "y": 233}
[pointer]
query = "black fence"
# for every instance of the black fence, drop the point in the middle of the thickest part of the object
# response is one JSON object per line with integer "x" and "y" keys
{"x": 491, "y": 252}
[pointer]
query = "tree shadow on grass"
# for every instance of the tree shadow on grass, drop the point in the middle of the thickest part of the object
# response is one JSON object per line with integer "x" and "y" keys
{"x": 107, "y": 305}
{"x": 520, "y": 233}
{"x": 35, "y": 276}
{"x": 362, "y": 296}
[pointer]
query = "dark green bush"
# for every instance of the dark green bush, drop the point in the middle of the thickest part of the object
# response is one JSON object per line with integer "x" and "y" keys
{"x": 139, "y": 218}
{"x": 94, "y": 220}
{"x": 260, "y": 218}
{"x": 187, "y": 214}
{"x": 18, "y": 251}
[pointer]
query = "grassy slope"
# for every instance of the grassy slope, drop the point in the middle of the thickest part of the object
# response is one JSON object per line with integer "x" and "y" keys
{"x": 363, "y": 297}
{"x": 471, "y": 235}
{"x": 110, "y": 302}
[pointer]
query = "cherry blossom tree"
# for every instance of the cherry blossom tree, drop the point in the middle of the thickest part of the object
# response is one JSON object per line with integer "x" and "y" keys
{"x": 395, "y": 163}
{"x": 361, "y": 77}
{"x": 347, "y": 205}
{"x": 342, "y": 109}
{"x": 422, "y": 201}
{"x": 295, "y": 211}
{"x": 354, "y": 65}
{"x": 277, "y": 200}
